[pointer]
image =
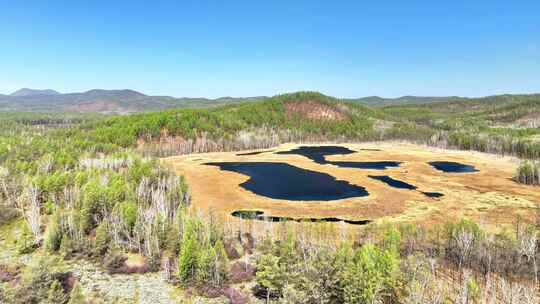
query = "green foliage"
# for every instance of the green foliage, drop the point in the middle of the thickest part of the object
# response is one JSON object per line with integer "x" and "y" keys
{"x": 50, "y": 153}
{"x": 473, "y": 290}
{"x": 465, "y": 225}
{"x": 221, "y": 268}
{"x": 391, "y": 240}
{"x": 56, "y": 294}
{"x": 27, "y": 242}
{"x": 76, "y": 295}
{"x": 103, "y": 239}
{"x": 37, "y": 281}
{"x": 188, "y": 259}
{"x": 371, "y": 275}
{"x": 128, "y": 212}
{"x": 270, "y": 274}
{"x": 206, "y": 264}
{"x": 53, "y": 234}
{"x": 93, "y": 200}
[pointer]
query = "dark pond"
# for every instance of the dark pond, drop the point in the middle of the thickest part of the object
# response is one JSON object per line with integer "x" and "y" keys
{"x": 253, "y": 153}
{"x": 402, "y": 185}
{"x": 259, "y": 216}
{"x": 287, "y": 182}
{"x": 318, "y": 154}
{"x": 393, "y": 182}
{"x": 433, "y": 194}
{"x": 452, "y": 167}
{"x": 380, "y": 165}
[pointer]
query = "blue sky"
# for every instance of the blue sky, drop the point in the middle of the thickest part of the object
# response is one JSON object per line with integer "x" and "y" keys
{"x": 246, "y": 48}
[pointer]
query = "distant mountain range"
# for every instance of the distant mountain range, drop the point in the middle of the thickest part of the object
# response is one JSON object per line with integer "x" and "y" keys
{"x": 380, "y": 101}
{"x": 103, "y": 101}
{"x": 25, "y": 92}
{"x": 129, "y": 101}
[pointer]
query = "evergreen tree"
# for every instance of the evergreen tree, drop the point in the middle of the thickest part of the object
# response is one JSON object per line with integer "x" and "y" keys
{"x": 53, "y": 234}
{"x": 103, "y": 239}
{"x": 56, "y": 294}
{"x": 370, "y": 275}
{"x": 76, "y": 295}
{"x": 27, "y": 242}
{"x": 270, "y": 275}
{"x": 189, "y": 253}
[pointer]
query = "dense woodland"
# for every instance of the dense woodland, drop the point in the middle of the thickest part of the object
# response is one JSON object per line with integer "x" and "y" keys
{"x": 90, "y": 186}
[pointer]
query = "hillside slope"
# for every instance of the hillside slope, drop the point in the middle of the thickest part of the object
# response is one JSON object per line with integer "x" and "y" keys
{"x": 301, "y": 116}
{"x": 500, "y": 124}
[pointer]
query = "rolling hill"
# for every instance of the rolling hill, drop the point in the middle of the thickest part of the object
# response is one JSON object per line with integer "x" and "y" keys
{"x": 130, "y": 101}
{"x": 102, "y": 101}
{"x": 24, "y": 92}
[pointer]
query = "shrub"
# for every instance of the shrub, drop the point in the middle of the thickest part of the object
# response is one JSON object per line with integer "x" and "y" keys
{"x": 56, "y": 294}
{"x": 128, "y": 213}
{"x": 103, "y": 239}
{"x": 76, "y": 295}
{"x": 370, "y": 276}
{"x": 37, "y": 280}
{"x": 53, "y": 234}
{"x": 26, "y": 243}
{"x": 7, "y": 214}
{"x": 114, "y": 262}
{"x": 270, "y": 275}
{"x": 188, "y": 259}
{"x": 464, "y": 238}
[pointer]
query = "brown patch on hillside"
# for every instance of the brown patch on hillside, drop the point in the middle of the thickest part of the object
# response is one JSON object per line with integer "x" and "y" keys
{"x": 488, "y": 196}
{"x": 315, "y": 110}
{"x": 531, "y": 120}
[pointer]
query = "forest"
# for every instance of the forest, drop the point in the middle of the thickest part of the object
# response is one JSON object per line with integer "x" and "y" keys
{"x": 83, "y": 186}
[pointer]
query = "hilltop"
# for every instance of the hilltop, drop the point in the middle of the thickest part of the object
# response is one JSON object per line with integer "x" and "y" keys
{"x": 24, "y": 92}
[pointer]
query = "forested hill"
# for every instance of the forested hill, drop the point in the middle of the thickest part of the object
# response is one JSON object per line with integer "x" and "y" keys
{"x": 507, "y": 124}
{"x": 293, "y": 116}
{"x": 485, "y": 124}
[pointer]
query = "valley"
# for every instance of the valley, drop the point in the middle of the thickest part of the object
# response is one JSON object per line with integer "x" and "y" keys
{"x": 270, "y": 152}
{"x": 223, "y": 204}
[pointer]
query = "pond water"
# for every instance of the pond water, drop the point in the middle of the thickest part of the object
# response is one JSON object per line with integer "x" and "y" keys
{"x": 377, "y": 165}
{"x": 318, "y": 154}
{"x": 287, "y": 182}
{"x": 259, "y": 216}
{"x": 393, "y": 182}
{"x": 433, "y": 194}
{"x": 403, "y": 185}
{"x": 452, "y": 167}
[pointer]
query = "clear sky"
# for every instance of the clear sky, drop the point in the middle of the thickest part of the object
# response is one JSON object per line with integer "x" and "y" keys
{"x": 245, "y": 48}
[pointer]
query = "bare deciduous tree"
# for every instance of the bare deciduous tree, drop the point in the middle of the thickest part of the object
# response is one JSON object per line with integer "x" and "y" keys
{"x": 30, "y": 206}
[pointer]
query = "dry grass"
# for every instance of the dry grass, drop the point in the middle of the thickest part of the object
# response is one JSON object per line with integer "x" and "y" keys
{"x": 488, "y": 196}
